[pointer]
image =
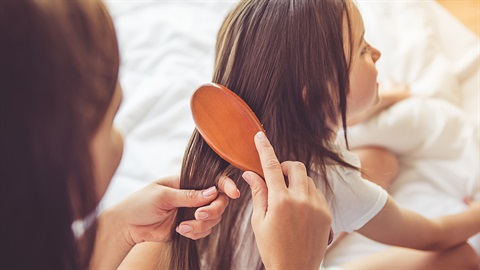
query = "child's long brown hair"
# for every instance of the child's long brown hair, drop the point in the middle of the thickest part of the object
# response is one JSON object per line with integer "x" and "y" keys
{"x": 286, "y": 60}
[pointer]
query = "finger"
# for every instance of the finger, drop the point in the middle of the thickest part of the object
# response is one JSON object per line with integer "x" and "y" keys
{"x": 270, "y": 164}
{"x": 169, "y": 181}
{"x": 191, "y": 228}
{"x": 214, "y": 210}
{"x": 187, "y": 198}
{"x": 468, "y": 200}
{"x": 226, "y": 185}
{"x": 259, "y": 195}
{"x": 312, "y": 188}
{"x": 297, "y": 176}
{"x": 196, "y": 236}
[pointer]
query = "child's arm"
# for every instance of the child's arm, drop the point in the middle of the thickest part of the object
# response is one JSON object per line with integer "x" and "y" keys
{"x": 400, "y": 227}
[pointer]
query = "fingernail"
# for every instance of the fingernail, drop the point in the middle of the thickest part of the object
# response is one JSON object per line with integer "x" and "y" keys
{"x": 209, "y": 192}
{"x": 184, "y": 229}
{"x": 261, "y": 136}
{"x": 233, "y": 190}
{"x": 246, "y": 176}
{"x": 202, "y": 215}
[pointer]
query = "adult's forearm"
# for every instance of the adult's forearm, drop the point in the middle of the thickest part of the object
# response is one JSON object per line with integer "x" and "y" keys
{"x": 111, "y": 244}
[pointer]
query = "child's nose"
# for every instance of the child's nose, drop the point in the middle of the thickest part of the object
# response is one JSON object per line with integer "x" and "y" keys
{"x": 375, "y": 53}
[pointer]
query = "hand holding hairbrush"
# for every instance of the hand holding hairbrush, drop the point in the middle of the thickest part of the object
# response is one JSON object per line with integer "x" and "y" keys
{"x": 228, "y": 126}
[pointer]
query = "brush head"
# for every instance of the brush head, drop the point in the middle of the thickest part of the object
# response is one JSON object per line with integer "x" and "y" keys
{"x": 228, "y": 125}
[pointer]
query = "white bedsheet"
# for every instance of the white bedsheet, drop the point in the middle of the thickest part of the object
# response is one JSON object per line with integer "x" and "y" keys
{"x": 167, "y": 50}
{"x": 436, "y": 134}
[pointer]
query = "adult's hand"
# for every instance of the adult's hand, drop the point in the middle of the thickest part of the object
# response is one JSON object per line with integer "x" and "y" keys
{"x": 148, "y": 215}
{"x": 291, "y": 223}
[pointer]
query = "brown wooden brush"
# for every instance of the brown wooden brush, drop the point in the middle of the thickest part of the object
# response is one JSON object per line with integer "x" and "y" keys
{"x": 228, "y": 126}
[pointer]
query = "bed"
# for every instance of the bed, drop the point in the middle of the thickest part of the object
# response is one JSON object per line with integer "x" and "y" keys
{"x": 167, "y": 50}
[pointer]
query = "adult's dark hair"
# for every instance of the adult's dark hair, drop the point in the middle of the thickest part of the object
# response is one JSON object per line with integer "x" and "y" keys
{"x": 286, "y": 59}
{"x": 58, "y": 71}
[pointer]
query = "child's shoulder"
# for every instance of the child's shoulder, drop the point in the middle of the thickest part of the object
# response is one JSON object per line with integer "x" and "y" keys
{"x": 347, "y": 156}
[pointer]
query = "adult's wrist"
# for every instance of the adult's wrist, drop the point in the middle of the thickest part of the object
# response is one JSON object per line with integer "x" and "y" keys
{"x": 117, "y": 228}
{"x": 112, "y": 242}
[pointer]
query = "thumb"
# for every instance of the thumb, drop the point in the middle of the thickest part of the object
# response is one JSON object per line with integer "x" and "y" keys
{"x": 189, "y": 197}
{"x": 259, "y": 195}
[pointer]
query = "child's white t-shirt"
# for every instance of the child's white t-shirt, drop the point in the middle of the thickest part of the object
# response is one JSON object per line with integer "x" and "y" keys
{"x": 353, "y": 201}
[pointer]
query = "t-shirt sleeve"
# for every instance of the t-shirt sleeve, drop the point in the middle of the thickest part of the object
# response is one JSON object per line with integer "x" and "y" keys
{"x": 355, "y": 200}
